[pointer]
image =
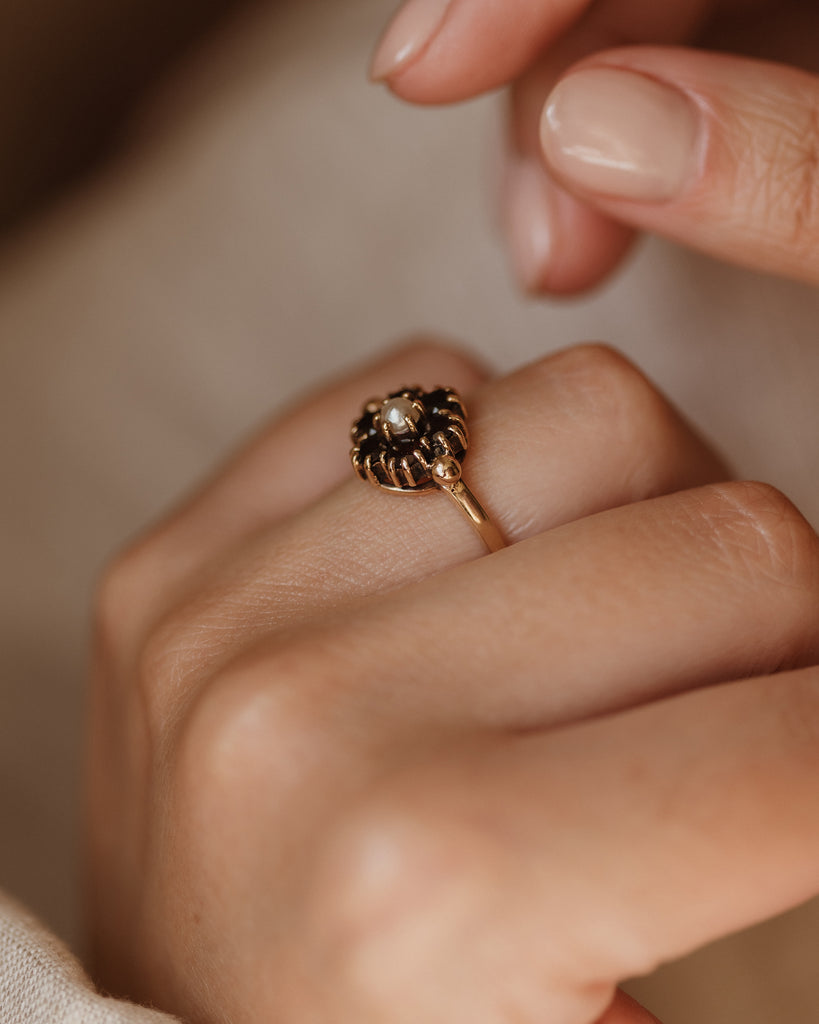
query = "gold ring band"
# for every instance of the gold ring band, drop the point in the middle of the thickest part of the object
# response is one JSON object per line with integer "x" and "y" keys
{"x": 475, "y": 513}
{"x": 414, "y": 441}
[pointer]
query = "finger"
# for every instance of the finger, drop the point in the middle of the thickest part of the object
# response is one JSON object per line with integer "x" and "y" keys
{"x": 301, "y": 455}
{"x": 575, "y": 433}
{"x": 559, "y": 243}
{"x": 542, "y": 870}
{"x": 439, "y": 51}
{"x": 609, "y": 612}
{"x": 625, "y": 1010}
{"x": 713, "y": 151}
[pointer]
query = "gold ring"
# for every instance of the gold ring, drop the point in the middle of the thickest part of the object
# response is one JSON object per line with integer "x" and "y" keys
{"x": 414, "y": 441}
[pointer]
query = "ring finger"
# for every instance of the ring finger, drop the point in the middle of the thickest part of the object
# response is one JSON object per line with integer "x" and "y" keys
{"x": 577, "y": 433}
{"x": 290, "y": 463}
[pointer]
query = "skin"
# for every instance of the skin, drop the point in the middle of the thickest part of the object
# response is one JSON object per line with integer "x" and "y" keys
{"x": 752, "y": 200}
{"x": 334, "y": 751}
{"x": 344, "y": 768}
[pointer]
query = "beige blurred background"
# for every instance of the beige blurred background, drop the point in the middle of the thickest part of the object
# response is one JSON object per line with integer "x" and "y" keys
{"x": 258, "y": 218}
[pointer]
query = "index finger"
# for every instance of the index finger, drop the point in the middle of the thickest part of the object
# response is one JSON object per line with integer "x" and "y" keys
{"x": 441, "y": 51}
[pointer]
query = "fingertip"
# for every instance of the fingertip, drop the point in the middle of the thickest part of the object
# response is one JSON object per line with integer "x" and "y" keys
{"x": 529, "y": 222}
{"x": 444, "y": 51}
{"x": 407, "y": 37}
{"x": 558, "y": 245}
{"x": 418, "y": 60}
{"x": 589, "y": 246}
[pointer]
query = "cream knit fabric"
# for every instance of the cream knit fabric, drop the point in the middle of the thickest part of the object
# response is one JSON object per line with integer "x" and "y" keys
{"x": 42, "y": 983}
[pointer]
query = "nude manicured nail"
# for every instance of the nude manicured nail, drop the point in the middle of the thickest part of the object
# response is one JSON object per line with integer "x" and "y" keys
{"x": 412, "y": 28}
{"x": 528, "y": 218}
{"x": 621, "y": 134}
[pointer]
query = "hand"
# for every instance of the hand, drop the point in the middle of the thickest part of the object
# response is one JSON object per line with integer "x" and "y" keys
{"x": 343, "y": 770}
{"x": 716, "y": 151}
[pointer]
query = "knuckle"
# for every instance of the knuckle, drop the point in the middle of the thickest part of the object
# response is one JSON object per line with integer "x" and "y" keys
{"x": 250, "y": 725}
{"x": 800, "y": 184}
{"x": 598, "y": 379}
{"x": 613, "y": 398}
{"x": 784, "y": 173}
{"x": 186, "y": 642}
{"x": 762, "y": 534}
{"x": 590, "y": 364}
{"x": 162, "y": 665}
{"x": 379, "y": 866}
{"x": 395, "y": 885}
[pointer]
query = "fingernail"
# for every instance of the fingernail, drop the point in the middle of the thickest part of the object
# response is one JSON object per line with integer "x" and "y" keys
{"x": 528, "y": 217}
{"x": 407, "y": 35}
{"x": 621, "y": 134}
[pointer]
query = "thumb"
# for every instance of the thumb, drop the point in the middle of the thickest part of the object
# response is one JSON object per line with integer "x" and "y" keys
{"x": 718, "y": 152}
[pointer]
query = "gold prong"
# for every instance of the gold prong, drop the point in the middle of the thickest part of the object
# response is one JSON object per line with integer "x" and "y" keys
{"x": 368, "y": 470}
{"x": 455, "y": 403}
{"x": 392, "y": 469}
{"x": 358, "y": 464}
{"x": 440, "y": 440}
{"x": 456, "y": 431}
{"x": 409, "y": 476}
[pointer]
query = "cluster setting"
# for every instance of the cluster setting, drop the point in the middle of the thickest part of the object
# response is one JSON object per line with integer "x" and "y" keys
{"x": 404, "y": 441}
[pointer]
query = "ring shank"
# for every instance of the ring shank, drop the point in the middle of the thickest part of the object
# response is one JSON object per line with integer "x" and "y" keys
{"x": 475, "y": 513}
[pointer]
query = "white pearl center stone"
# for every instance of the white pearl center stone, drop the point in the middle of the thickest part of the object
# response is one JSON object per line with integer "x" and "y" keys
{"x": 400, "y": 417}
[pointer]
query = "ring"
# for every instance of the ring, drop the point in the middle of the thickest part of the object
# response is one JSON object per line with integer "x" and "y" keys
{"x": 414, "y": 441}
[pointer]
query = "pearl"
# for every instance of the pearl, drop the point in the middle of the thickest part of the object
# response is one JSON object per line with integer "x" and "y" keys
{"x": 399, "y": 417}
